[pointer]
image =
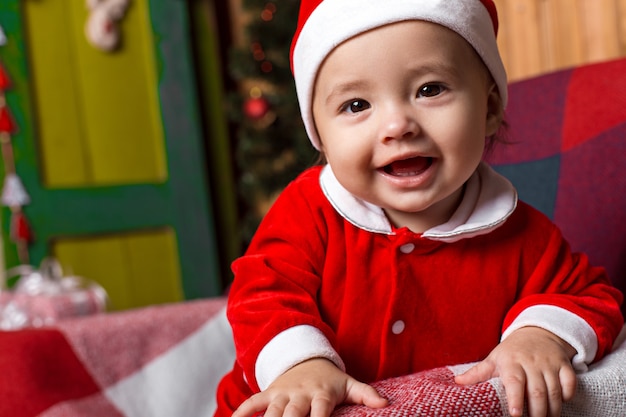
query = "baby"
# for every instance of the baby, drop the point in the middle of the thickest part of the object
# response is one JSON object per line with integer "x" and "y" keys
{"x": 405, "y": 251}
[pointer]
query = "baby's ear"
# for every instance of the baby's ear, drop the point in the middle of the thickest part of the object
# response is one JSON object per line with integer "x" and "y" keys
{"x": 495, "y": 111}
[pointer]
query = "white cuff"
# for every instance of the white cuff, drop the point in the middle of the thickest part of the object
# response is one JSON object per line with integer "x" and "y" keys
{"x": 289, "y": 348}
{"x": 566, "y": 325}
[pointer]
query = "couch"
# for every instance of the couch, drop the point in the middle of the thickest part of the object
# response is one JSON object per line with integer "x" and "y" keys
{"x": 567, "y": 154}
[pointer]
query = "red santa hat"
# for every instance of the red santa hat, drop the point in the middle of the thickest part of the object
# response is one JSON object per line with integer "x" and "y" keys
{"x": 324, "y": 24}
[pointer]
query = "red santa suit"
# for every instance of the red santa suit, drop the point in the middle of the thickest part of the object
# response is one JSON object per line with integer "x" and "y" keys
{"x": 327, "y": 275}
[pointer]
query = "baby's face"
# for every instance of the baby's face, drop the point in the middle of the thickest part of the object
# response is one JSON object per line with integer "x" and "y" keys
{"x": 402, "y": 112}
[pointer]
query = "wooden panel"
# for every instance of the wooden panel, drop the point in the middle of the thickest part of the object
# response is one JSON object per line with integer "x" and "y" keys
{"x": 99, "y": 115}
{"x": 153, "y": 264}
{"x": 504, "y": 43}
{"x": 621, "y": 6}
{"x": 49, "y": 32}
{"x": 101, "y": 260}
{"x": 525, "y": 52}
{"x": 600, "y": 29}
{"x": 563, "y": 34}
{"x": 538, "y": 36}
{"x": 136, "y": 269}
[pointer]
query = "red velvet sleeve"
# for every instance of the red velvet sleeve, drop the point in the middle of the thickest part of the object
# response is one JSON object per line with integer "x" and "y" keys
{"x": 565, "y": 279}
{"x": 277, "y": 280}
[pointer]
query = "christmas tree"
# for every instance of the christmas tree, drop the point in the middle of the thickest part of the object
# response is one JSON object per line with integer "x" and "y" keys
{"x": 271, "y": 145}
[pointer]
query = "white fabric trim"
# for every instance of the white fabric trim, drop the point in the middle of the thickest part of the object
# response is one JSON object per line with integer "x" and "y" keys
{"x": 566, "y": 325}
{"x": 489, "y": 199}
{"x": 358, "y": 212}
{"x": 335, "y": 21}
{"x": 289, "y": 348}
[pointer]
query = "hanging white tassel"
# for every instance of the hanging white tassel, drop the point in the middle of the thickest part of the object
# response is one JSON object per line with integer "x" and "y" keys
{"x": 13, "y": 193}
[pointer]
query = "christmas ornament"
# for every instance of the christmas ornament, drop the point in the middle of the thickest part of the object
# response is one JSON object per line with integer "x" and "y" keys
{"x": 255, "y": 108}
{"x": 42, "y": 296}
{"x": 267, "y": 14}
{"x": 20, "y": 228}
{"x": 258, "y": 109}
{"x": 13, "y": 193}
{"x": 4, "y": 79}
{"x": 259, "y": 55}
{"x": 6, "y": 121}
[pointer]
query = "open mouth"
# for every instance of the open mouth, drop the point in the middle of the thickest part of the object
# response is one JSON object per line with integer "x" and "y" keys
{"x": 408, "y": 167}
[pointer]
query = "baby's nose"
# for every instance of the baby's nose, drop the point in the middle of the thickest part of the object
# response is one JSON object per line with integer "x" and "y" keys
{"x": 399, "y": 122}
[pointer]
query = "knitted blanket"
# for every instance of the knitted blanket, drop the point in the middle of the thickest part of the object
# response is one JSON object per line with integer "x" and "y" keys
{"x": 166, "y": 361}
{"x": 601, "y": 392}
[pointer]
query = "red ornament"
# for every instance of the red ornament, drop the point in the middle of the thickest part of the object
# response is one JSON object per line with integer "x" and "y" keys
{"x": 6, "y": 121}
{"x": 5, "y": 82}
{"x": 20, "y": 229}
{"x": 256, "y": 108}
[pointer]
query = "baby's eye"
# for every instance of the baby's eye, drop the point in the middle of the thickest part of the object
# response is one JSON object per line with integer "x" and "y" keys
{"x": 430, "y": 90}
{"x": 356, "y": 106}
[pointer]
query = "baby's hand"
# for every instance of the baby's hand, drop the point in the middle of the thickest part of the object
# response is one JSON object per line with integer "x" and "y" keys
{"x": 531, "y": 362}
{"x": 313, "y": 387}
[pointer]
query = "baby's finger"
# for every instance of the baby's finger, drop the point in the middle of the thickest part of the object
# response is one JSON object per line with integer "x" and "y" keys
{"x": 259, "y": 403}
{"x": 296, "y": 407}
{"x": 274, "y": 410}
{"x": 480, "y": 372}
{"x": 554, "y": 394}
{"x": 567, "y": 378}
{"x": 537, "y": 393}
{"x": 249, "y": 408}
{"x": 514, "y": 382}
{"x": 360, "y": 393}
{"x": 321, "y": 406}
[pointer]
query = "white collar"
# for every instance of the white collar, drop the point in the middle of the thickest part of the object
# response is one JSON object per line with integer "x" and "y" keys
{"x": 489, "y": 199}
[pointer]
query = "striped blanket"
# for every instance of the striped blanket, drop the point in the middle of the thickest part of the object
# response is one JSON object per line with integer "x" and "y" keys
{"x": 165, "y": 361}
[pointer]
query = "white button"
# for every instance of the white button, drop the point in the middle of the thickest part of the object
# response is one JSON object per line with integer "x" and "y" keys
{"x": 398, "y": 327}
{"x": 407, "y": 248}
